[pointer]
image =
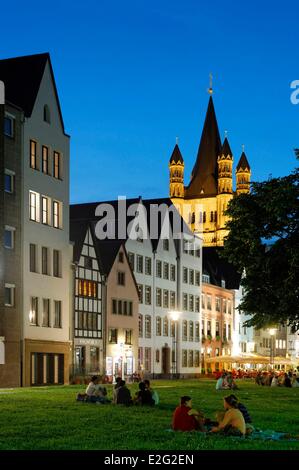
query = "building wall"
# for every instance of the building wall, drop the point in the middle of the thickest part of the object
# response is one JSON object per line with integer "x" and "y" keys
{"x": 88, "y": 342}
{"x": 36, "y": 284}
{"x": 10, "y": 259}
{"x": 121, "y": 357}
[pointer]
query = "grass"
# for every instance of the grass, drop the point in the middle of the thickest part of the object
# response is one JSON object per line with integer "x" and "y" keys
{"x": 50, "y": 418}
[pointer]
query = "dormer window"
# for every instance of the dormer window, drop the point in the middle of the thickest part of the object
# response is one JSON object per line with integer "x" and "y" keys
{"x": 47, "y": 117}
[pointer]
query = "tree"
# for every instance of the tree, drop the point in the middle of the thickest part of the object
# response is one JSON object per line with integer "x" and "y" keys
{"x": 263, "y": 243}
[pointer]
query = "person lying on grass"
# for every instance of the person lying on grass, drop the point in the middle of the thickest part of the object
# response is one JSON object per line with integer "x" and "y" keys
{"x": 185, "y": 418}
{"x": 232, "y": 422}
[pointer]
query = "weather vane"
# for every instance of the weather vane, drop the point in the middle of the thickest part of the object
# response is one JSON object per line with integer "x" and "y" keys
{"x": 210, "y": 90}
{"x": 243, "y": 148}
{"x": 225, "y": 134}
{"x": 177, "y": 140}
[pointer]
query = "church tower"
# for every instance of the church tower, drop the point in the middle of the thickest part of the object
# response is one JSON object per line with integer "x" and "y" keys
{"x": 243, "y": 174}
{"x": 176, "y": 174}
{"x": 204, "y": 201}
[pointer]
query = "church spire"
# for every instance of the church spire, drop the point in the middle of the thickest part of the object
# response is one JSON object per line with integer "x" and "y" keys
{"x": 205, "y": 172}
{"x": 243, "y": 173}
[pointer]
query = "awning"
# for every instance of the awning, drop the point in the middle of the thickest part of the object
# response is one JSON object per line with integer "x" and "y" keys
{"x": 248, "y": 359}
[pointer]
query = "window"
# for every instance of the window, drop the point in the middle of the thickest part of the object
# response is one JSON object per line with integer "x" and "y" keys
{"x": 197, "y": 306}
{"x": 184, "y": 358}
{"x": 33, "y": 155}
{"x": 202, "y": 327}
{"x": 209, "y": 302}
{"x": 217, "y": 329}
{"x": 57, "y": 214}
{"x": 172, "y": 299}
{"x": 197, "y": 331}
{"x": 148, "y": 266}
{"x": 9, "y": 126}
{"x": 47, "y": 117}
{"x": 57, "y": 314}
{"x": 9, "y": 295}
{"x": 165, "y": 326}
{"x": 114, "y": 306}
{"x": 46, "y": 313}
{"x": 34, "y": 206}
{"x": 196, "y": 358}
{"x": 45, "y": 159}
{"x": 165, "y": 298}
{"x": 191, "y": 277}
{"x": 185, "y": 302}
{"x": 45, "y": 210}
{"x": 191, "y": 303}
{"x": 229, "y": 307}
{"x": 165, "y": 271}
{"x": 185, "y": 330}
{"x": 190, "y": 361}
{"x": 157, "y": 355}
{"x": 45, "y": 258}
{"x": 185, "y": 275}
{"x": 224, "y": 332}
{"x": 33, "y": 314}
{"x": 158, "y": 297}
{"x": 217, "y": 304}
{"x": 87, "y": 288}
{"x": 140, "y": 293}
{"x": 206, "y": 278}
{"x": 9, "y": 237}
{"x": 148, "y": 326}
{"x": 121, "y": 278}
{"x": 56, "y": 263}
{"x": 9, "y": 179}
{"x": 33, "y": 258}
{"x": 172, "y": 272}
{"x": 57, "y": 165}
{"x": 120, "y": 257}
{"x": 139, "y": 264}
{"x": 87, "y": 262}
{"x": 158, "y": 268}
{"x": 209, "y": 328}
{"x": 112, "y": 338}
{"x": 191, "y": 331}
{"x": 197, "y": 253}
{"x": 148, "y": 295}
{"x": 229, "y": 334}
{"x": 147, "y": 359}
{"x": 158, "y": 326}
{"x": 197, "y": 278}
{"x": 128, "y": 336}
{"x": 166, "y": 244}
{"x": 140, "y": 326}
{"x": 224, "y": 305}
{"x": 131, "y": 258}
{"x": 172, "y": 329}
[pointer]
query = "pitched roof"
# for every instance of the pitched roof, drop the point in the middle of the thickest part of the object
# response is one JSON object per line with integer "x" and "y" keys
{"x": 22, "y": 77}
{"x": 176, "y": 155}
{"x": 226, "y": 150}
{"x": 205, "y": 171}
{"x": 219, "y": 269}
{"x": 243, "y": 163}
{"x": 78, "y": 231}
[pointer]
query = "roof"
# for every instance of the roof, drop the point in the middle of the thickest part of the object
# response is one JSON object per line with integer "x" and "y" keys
{"x": 78, "y": 231}
{"x": 243, "y": 163}
{"x": 205, "y": 171}
{"x": 22, "y": 77}
{"x": 176, "y": 155}
{"x": 86, "y": 212}
{"x": 219, "y": 269}
{"x": 226, "y": 150}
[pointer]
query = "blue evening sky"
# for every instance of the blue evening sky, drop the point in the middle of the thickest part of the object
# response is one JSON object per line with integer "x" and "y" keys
{"x": 133, "y": 74}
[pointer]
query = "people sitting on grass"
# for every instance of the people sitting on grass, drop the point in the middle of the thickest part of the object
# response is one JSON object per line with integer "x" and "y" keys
{"x": 154, "y": 394}
{"x": 221, "y": 383}
{"x": 287, "y": 381}
{"x": 246, "y": 415}
{"x": 94, "y": 392}
{"x": 143, "y": 397}
{"x": 123, "y": 396}
{"x": 185, "y": 418}
{"x": 231, "y": 422}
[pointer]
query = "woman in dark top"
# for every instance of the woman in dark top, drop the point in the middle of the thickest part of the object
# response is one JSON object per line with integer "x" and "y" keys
{"x": 144, "y": 396}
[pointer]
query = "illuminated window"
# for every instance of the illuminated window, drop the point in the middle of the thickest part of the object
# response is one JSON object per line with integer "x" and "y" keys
{"x": 45, "y": 159}
{"x": 57, "y": 165}
{"x": 148, "y": 295}
{"x": 33, "y": 314}
{"x": 191, "y": 331}
{"x": 148, "y": 326}
{"x": 197, "y": 306}
{"x": 165, "y": 298}
{"x": 56, "y": 215}
{"x": 172, "y": 299}
{"x": 158, "y": 297}
{"x": 185, "y": 331}
{"x": 89, "y": 289}
{"x": 34, "y": 206}
{"x": 128, "y": 336}
{"x": 33, "y": 155}
{"x": 185, "y": 301}
{"x": 46, "y": 313}
{"x": 140, "y": 293}
{"x": 165, "y": 326}
{"x": 45, "y": 210}
{"x": 197, "y": 331}
{"x": 191, "y": 303}
{"x": 112, "y": 335}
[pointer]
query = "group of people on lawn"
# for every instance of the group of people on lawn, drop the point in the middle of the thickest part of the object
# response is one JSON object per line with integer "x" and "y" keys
{"x": 234, "y": 420}
{"x": 274, "y": 379}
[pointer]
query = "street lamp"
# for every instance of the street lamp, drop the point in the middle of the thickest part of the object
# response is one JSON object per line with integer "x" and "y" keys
{"x": 272, "y": 332}
{"x": 175, "y": 315}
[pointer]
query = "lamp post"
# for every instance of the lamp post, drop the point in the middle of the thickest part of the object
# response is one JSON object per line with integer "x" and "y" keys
{"x": 174, "y": 315}
{"x": 272, "y": 332}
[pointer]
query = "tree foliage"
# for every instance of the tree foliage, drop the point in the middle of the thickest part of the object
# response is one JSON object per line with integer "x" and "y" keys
{"x": 263, "y": 243}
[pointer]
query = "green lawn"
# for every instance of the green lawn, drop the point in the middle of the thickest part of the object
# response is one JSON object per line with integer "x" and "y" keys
{"x": 50, "y": 418}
